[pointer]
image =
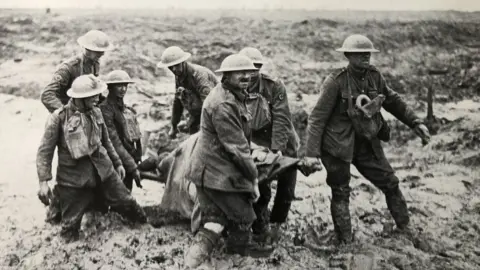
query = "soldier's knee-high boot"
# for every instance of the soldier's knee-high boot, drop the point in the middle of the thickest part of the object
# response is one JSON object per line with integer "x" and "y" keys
{"x": 260, "y": 226}
{"x": 240, "y": 242}
{"x": 202, "y": 247}
{"x": 339, "y": 208}
{"x": 397, "y": 206}
{"x": 284, "y": 196}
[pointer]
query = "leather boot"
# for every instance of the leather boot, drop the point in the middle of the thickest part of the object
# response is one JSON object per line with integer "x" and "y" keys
{"x": 339, "y": 208}
{"x": 398, "y": 207}
{"x": 202, "y": 247}
{"x": 261, "y": 227}
{"x": 262, "y": 235}
{"x": 240, "y": 242}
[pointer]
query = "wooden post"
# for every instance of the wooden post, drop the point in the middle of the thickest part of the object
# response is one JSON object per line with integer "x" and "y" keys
{"x": 430, "y": 104}
{"x": 431, "y": 92}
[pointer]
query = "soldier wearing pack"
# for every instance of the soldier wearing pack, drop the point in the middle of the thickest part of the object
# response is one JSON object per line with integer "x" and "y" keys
{"x": 94, "y": 43}
{"x": 88, "y": 165}
{"x": 122, "y": 125}
{"x": 54, "y": 96}
{"x": 346, "y": 126}
{"x": 192, "y": 85}
{"x": 272, "y": 127}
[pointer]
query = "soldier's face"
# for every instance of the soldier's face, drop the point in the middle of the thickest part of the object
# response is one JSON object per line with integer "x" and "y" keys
{"x": 240, "y": 79}
{"x": 91, "y": 102}
{"x": 156, "y": 112}
{"x": 359, "y": 59}
{"x": 93, "y": 55}
{"x": 255, "y": 73}
{"x": 119, "y": 90}
{"x": 177, "y": 69}
{"x": 158, "y": 140}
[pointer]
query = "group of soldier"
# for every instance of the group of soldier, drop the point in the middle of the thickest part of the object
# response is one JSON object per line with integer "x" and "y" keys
{"x": 99, "y": 143}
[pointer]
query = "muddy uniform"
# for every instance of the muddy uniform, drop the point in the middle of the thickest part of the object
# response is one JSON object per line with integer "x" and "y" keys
{"x": 221, "y": 166}
{"x": 54, "y": 96}
{"x": 81, "y": 180}
{"x": 55, "y": 93}
{"x": 197, "y": 82}
{"x": 331, "y": 136}
{"x": 124, "y": 132}
{"x": 272, "y": 127}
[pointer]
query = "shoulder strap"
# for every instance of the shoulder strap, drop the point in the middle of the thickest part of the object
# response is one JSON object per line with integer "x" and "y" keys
{"x": 261, "y": 85}
{"x": 349, "y": 91}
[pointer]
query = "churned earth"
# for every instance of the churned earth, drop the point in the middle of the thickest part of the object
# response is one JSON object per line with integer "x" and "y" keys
{"x": 441, "y": 181}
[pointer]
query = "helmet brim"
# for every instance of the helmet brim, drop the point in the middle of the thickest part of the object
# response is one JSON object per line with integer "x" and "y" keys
{"x": 236, "y": 69}
{"x": 97, "y": 91}
{"x": 81, "y": 41}
{"x": 176, "y": 62}
{"x": 119, "y": 82}
{"x": 260, "y": 62}
{"x": 356, "y": 50}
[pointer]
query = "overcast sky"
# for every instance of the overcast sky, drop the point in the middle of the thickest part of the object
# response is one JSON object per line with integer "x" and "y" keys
{"x": 465, "y": 5}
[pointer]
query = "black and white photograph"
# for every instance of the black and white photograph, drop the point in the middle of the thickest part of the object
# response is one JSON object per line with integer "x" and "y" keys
{"x": 258, "y": 134}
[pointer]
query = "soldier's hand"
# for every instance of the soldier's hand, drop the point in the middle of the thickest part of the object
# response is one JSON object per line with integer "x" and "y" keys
{"x": 44, "y": 193}
{"x": 422, "y": 131}
{"x": 173, "y": 132}
{"x": 180, "y": 89}
{"x": 259, "y": 155}
{"x": 278, "y": 152}
{"x": 317, "y": 165}
{"x": 309, "y": 165}
{"x": 121, "y": 172}
{"x": 137, "y": 178}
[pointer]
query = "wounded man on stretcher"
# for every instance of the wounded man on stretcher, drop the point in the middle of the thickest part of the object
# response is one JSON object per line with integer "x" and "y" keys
{"x": 179, "y": 199}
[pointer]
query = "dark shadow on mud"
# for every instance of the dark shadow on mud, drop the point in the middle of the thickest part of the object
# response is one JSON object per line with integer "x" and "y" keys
{"x": 159, "y": 217}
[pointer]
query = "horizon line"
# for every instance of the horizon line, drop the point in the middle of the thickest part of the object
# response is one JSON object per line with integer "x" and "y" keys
{"x": 240, "y": 9}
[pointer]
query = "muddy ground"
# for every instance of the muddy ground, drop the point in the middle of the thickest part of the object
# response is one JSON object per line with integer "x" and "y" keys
{"x": 440, "y": 181}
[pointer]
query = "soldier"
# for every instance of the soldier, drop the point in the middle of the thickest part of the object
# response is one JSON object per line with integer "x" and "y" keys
{"x": 123, "y": 128}
{"x": 95, "y": 43}
{"x": 222, "y": 168}
{"x": 272, "y": 127}
{"x": 340, "y": 134}
{"x": 192, "y": 85}
{"x": 86, "y": 160}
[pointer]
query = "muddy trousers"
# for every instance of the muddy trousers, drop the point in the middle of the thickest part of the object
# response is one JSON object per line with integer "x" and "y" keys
{"x": 128, "y": 181}
{"x": 234, "y": 211}
{"x": 74, "y": 202}
{"x": 375, "y": 168}
{"x": 54, "y": 212}
{"x": 283, "y": 199}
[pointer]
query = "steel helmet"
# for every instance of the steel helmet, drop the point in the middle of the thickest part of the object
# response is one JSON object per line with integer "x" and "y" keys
{"x": 236, "y": 62}
{"x": 118, "y": 76}
{"x": 95, "y": 40}
{"x": 86, "y": 86}
{"x": 357, "y": 43}
{"x": 253, "y": 54}
{"x": 172, "y": 56}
